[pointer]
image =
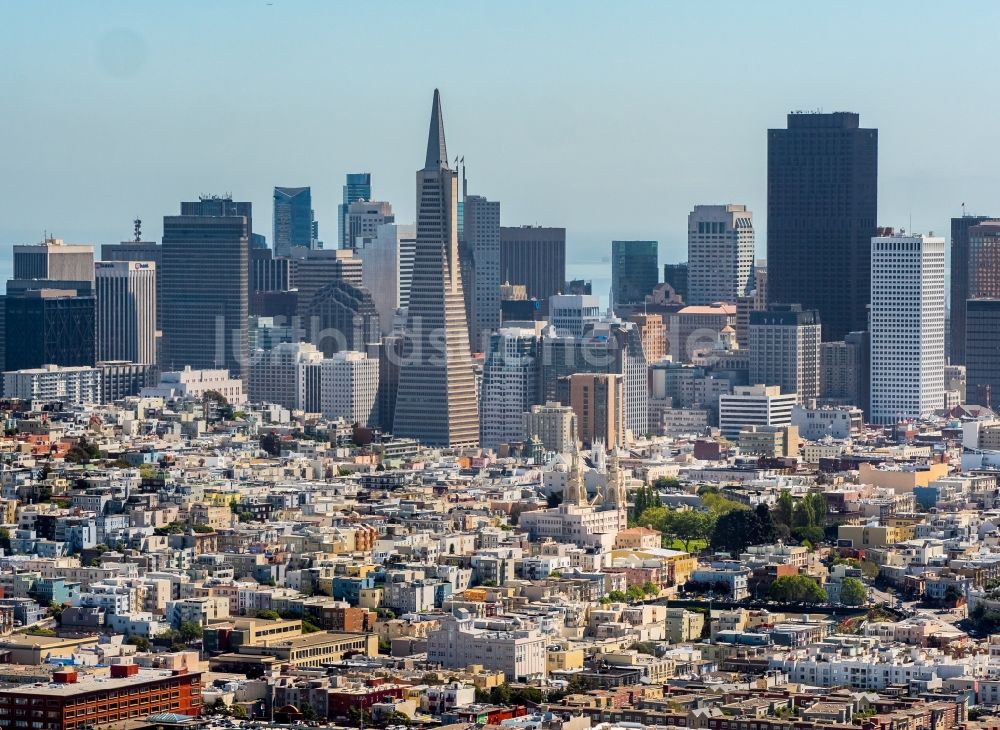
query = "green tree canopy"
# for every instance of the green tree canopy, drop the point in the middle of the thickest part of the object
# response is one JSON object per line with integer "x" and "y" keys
{"x": 797, "y": 589}
{"x": 852, "y": 592}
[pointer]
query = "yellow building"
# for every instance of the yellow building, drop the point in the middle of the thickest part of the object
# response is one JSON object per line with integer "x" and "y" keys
{"x": 901, "y": 480}
{"x": 878, "y": 536}
{"x": 638, "y": 538}
{"x": 562, "y": 659}
{"x": 684, "y": 625}
{"x": 317, "y": 649}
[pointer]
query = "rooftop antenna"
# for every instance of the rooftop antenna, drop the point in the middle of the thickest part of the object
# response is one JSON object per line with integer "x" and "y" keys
{"x": 963, "y": 210}
{"x": 137, "y": 229}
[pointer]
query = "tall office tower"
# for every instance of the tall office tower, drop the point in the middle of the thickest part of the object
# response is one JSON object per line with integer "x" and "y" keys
{"x": 436, "y": 401}
{"x": 281, "y": 375}
{"x": 598, "y": 400}
{"x": 960, "y": 283}
{"x": 784, "y": 349}
{"x": 536, "y": 257}
{"x": 843, "y": 372}
{"x": 294, "y": 221}
{"x": 54, "y": 260}
{"x": 571, "y": 314}
{"x": 49, "y": 323}
{"x": 510, "y": 384}
{"x": 553, "y": 424}
{"x": 609, "y": 347}
{"x": 822, "y": 192}
{"x": 349, "y": 387}
{"x": 982, "y": 352}
{"x": 205, "y": 298}
{"x": 341, "y": 317}
{"x": 362, "y": 221}
{"x": 138, "y": 250}
{"x": 482, "y": 292}
{"x": 983, "y": 272}
{"x": 677, "y": 276}
{"x": 316, "y": 269}
{"x": 635, "y": 270}
{"x": 270, "y": 282}
{"x": 720, "y": 253}
{"x": 126, "y": 311}
{"x": 358, "y": 186}
{"x": 387, "y": 269}
{"x": 907, "y": 327}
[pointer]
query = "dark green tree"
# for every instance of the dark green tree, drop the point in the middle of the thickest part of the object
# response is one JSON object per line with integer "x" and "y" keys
{"x": 852, "y": 592}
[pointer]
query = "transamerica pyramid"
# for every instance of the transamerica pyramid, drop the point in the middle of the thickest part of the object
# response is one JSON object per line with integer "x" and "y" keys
{"x": 436, "y": 401}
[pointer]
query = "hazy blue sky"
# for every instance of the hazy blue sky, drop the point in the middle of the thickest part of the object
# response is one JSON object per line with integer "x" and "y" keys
{"x": 611, "y": 118}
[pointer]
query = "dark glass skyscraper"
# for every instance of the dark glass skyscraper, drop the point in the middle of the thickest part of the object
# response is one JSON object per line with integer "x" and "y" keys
{"x": 982, "y": 352}
{"x": 677, "y": 276}
{"x": 294, "y": 223}
{"x": 358, "y": 186}
{"x": 635, "y": 270}
{"x": 960, "y": 283}
{"x": 534, "y": 256}
{"x": 205, "y": 285}
{"x": 436, "y": 401}
{"x": 50, "y": 327}
{"x": 822, "y": 193}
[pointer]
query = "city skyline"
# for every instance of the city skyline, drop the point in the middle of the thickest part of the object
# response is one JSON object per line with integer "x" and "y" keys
{"x": 125, "y": 55}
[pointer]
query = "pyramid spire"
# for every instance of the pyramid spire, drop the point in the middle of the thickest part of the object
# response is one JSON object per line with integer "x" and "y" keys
{"x": 437, "y": 152}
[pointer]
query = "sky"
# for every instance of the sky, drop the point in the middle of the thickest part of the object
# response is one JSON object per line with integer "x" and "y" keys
{"x": 612, "y": 119}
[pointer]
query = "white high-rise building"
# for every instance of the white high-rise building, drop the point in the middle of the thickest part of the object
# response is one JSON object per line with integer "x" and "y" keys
{"x": 77, "y": 385}
{"x": 363, "y": 219}
{"x": 907, "y": 327}
{"x": 720, "y": 253}
{"x": 754, "y": 405}
{"x": 281, "y": 375}
{"x": 126, "y": 310}
{"x": 510, "y": 385}
{"x": 387, "y": 269}
{"x": 349, "y": 387}
{"x": 570, "y": 314}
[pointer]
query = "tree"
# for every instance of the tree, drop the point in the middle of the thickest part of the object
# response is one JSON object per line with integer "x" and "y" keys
{"x": 797, "y": 589}
{"x": 139, "y": 642}
{"x": 689, "y": 525}
{"x": 650, "y": 588}
{"x": 190, "y": 631}
{"x": 852, "y": 592}
{"x": 617, "y": 597}
{"x": 269, "y": 614}
{"x": 783, "y": 508}
{"x": 238, "y": 711}
{"x": 635, "y": 593}
{"x": 734, "y": 531}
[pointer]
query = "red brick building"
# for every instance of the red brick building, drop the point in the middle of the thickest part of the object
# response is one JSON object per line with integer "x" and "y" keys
{"x": 73, "y": 702}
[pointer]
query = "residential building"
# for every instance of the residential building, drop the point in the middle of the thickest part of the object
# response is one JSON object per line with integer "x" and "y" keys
{"x": 194, "y": 384}
{"x": 720, "y": 253}
{"x": 907, "y": 327}
{"x": 836, "y": 422}
{"x": 770, "y": 442}
{"x": 52, "y": 383}
{"x": 653, "y": 333}
{"x": 461, "y": 641}
{"x": 553, "y": 424}
{"x": 822, "y": 194}
{"x": 436, "y": 401}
